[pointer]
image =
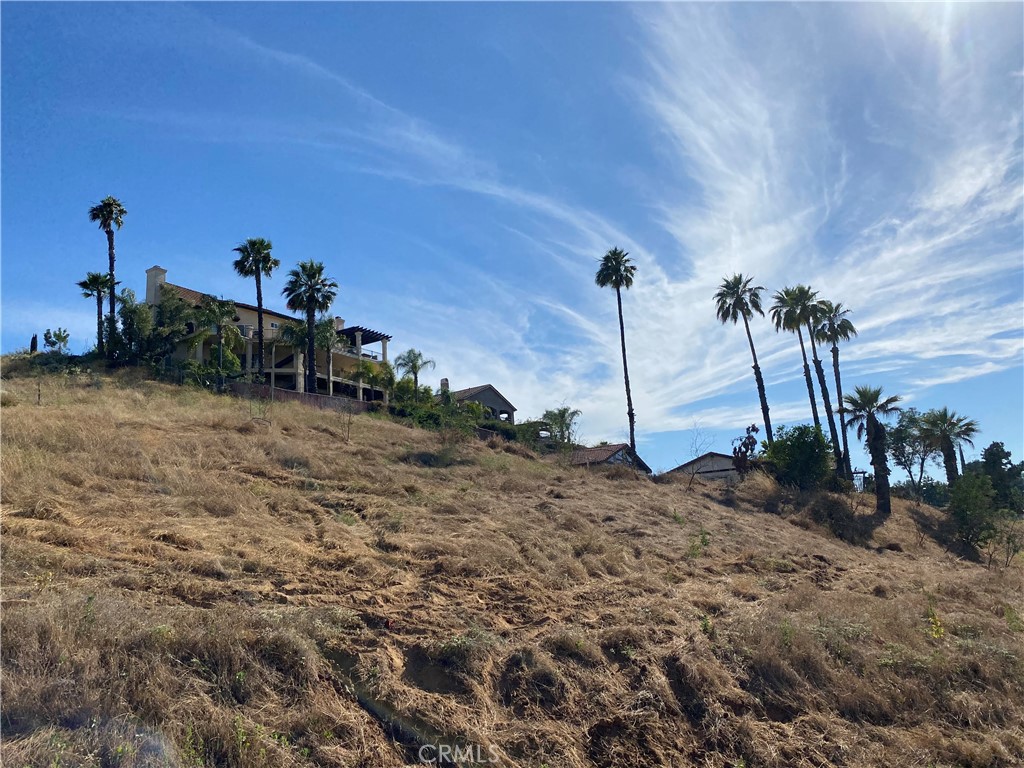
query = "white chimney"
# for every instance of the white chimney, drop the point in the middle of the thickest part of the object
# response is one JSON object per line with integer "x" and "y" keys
{"x": 444, "y": 385}
{"x": 339, "y": 324}
{"x": 155, "y": 277}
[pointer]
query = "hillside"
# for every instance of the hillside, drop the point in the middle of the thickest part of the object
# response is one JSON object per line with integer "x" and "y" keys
{"x": 184, "y": 585}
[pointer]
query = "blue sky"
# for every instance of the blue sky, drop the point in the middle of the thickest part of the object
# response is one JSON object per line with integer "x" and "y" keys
{"x": 460, "y": 168}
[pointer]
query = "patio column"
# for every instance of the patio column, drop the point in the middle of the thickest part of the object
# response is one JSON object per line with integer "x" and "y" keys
{"x": 300, "y": 379}
{"x": 359, "y": 358}
{"x": 384, "y": 349}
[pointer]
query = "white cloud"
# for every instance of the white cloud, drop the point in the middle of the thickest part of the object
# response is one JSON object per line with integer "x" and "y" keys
{"x": 764, "y": 173}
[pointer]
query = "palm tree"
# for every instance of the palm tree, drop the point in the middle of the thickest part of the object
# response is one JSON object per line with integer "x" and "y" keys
{"x": 616, "y": 270}
{"x": 833, "y": 327}
{"x": 217, "y": 317}
{"x": 791, "y": 312}
{"x": 814, "y": 313}
{"x": 328, "y": 340}
{"x": 109, "y": 213}
{"x": 864, "y": 409}
{"x": 736, "y": 298}
{"x": 98, "y": 285}
{"x": 255, "y": 260}
{"x": 947, "y": 432}
{"x": 562, "y": 422}
{"x": 307, "y": 290}
{"x": 410, "y": 363}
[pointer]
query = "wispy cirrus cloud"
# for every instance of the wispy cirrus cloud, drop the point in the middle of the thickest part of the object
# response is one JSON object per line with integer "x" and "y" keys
{"x": 902, "y": 199}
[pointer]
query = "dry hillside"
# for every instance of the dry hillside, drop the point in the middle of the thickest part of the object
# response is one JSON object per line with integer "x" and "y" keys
{"x": 186, "y": 586}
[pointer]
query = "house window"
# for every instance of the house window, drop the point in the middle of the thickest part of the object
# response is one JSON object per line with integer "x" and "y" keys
{"x": 273, "y": 326}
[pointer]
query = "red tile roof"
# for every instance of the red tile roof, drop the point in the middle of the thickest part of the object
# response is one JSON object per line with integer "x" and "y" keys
{"x": 596, "y": 455}
{"x": 600, "y": 454}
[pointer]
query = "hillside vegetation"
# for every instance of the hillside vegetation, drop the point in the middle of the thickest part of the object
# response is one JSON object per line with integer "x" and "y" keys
{"x": 186, "y": 585}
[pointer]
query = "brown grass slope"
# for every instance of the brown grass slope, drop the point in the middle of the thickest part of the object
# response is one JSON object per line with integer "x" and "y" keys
{"x": 184, "y": 586}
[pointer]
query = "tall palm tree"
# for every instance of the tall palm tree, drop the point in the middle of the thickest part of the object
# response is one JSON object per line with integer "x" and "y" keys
{"x": 814, "y": 315}
{"x": 256, "y": 260}
{"x": 736, "y": 299}
{"x": 864, "y": 409}
{"x": 947, "y": 431}
{"x": 833, "y": 327}
{"x": 109, "y": 214}
{"x": 616, "y": 270}
{"x": 98, "y": 285}
{"x": 410, "y": 363}
{"x": 309, "y": 291}
{"x": 791, "y": 312}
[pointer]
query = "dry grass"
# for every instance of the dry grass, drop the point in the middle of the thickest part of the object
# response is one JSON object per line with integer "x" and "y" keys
{"x": 185, "y": 586}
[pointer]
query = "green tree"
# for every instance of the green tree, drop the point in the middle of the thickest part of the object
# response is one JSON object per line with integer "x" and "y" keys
{"x": 255, "y": 259}
{"x": 799, "y": 456}
{"x": 309, "y": 291}
{"x": 56, "y": 340}
{"x": 97, "y": 285}
{"x": 410, "y": 363}
{"x": 833, "y": 326}
{"x": 736, "y": 299}
{"x": 292, "y": 333}
{"x": 385, "y": 380}
{"x": 215, "y": 318}
{"x": 616, "y": 270}
{"x": 792, "y": 312}
{"x": 972, "y": 506}
{"x": 865, "y": 409}
{"x": 1007, "y": 478}
{"x": 109, "y": 214}
{"x": 328, "y": 340}
{"x": 562, "y": 422}
{"x": 137, "y": 326}
{"x": 909, "y": 448}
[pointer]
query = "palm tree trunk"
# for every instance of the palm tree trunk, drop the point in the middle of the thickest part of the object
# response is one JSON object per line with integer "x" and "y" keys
{"x": 807, "y": 378}
{"x": 259, "y": 328}
{"x": 963, "y": 460}
{"x": 99, "y": 323}
{"x": 760, "y": 386}
{"x": 876, "y": 447}
{"x": 112, "y": 317}
{"x": 820, "y": 371}
{"x": 311, "y": 350}
{"x": 625, "y": 375}
{"x": 949, "y": 461}
{"x": 839, "y": 396}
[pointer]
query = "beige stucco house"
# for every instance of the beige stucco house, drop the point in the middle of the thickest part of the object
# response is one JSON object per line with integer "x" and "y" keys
{"x": 284, "y": 363}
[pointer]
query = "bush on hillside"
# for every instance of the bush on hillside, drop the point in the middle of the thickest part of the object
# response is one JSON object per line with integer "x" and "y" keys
{"x": 973, "y": 509}
{"x": 798, "y": 456}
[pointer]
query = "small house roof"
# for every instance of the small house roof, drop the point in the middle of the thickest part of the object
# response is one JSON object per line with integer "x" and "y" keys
{"x": 468, "y": 394}
{"x": 700, "y": 459}
{"x": 599, "y": 454}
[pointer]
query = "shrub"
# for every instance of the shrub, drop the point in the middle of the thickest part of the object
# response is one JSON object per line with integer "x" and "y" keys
{"x": 972, "y": 507}
{"x": 799, "y": 456}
